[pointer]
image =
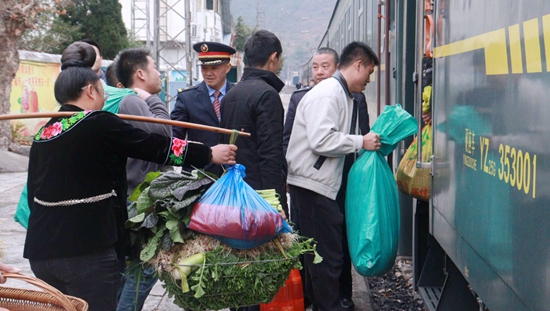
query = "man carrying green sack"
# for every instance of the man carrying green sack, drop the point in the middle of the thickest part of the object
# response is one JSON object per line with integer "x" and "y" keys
{"x": 325, "y": 131}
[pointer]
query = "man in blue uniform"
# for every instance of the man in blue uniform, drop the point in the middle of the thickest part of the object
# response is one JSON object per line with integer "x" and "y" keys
{"x": 201, "y": 104}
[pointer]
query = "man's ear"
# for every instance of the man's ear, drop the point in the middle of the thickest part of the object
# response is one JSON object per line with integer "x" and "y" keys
{"x": 359, "y": 64}
{"x": 273, "y": 56}
{"x": 140, "y": 74}
{"x": 337, "y": 66}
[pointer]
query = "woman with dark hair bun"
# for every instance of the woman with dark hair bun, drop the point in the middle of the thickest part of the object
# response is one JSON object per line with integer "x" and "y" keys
{"x": 77, "y": 184}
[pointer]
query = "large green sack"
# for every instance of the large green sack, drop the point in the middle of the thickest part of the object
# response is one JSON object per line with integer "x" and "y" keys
{"x": 372, "y": 206}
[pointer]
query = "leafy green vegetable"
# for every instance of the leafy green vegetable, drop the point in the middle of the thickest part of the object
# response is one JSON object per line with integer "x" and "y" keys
{"x": 139, "y": 189}
{"x": 162, "y": 209}
{"x": 151, "y": 248}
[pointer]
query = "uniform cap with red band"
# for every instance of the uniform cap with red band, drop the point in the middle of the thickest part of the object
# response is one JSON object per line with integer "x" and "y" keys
{"x": 213, "y": 53}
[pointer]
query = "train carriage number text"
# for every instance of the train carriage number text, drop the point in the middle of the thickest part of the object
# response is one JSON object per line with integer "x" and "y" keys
{"x": 515, "y": 167}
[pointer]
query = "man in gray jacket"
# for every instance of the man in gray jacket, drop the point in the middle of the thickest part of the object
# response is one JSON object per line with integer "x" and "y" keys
{"x": 136, "y": 70}
{"x": 325, "y": 130}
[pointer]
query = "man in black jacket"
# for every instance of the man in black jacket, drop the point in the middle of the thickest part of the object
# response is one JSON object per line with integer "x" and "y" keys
{"x": 254, "y": 105}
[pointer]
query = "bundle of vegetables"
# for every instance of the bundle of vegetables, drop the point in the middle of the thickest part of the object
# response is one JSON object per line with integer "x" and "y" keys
{"x": 218, "y": 276}
{"x": 161, "y": 208}
{"x": 200, "y": 271}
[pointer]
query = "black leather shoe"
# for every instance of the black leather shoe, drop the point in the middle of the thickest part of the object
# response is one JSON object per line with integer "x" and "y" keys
{"x": 347, "y": 304}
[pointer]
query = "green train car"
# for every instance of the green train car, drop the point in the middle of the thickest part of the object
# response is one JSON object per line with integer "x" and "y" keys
{"x": 482, "y": 241}
{"x": 490, "y": 208}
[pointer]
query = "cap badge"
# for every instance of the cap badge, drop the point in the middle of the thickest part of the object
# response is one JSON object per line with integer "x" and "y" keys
{"x": 204, "y": 48}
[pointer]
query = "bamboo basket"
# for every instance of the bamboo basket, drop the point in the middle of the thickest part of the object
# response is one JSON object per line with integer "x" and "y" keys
{"x": 50, "y": 299}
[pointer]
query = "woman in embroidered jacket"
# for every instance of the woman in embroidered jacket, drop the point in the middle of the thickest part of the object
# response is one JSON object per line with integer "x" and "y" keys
{"x": 77, "y": 184}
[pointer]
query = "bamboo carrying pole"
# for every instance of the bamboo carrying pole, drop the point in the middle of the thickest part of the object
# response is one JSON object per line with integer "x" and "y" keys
{"x": 125, "y": 117}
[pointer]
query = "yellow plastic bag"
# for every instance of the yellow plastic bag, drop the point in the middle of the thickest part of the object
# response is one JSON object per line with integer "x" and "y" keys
{"x": 410, "y": 179}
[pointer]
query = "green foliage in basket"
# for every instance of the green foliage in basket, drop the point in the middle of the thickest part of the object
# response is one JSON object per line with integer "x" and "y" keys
{"x": 227, "y": 280}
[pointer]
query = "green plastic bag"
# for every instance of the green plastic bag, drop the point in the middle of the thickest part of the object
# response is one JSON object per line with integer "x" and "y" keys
{"x": 116, "y": 95}
{"x": 23, "y": 211}
{"x": 372, "y": 206}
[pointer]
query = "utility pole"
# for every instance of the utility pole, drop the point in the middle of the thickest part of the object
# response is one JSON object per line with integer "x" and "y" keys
{"x": 156, "y": 31}
{"x": 260, "y": 14}
{"x": 189, "y": 64}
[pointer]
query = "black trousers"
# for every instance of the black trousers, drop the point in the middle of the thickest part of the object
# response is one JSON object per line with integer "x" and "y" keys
{"x": 345, "y": 281}
{"x": 93, "y": 277}
{"x": 321, "y": 218}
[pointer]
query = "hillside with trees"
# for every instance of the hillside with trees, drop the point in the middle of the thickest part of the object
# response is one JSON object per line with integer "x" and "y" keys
{"x": 300, "y": 25}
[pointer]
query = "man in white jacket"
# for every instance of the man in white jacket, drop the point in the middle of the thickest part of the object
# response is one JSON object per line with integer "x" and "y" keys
{"x": 325, "y": 130}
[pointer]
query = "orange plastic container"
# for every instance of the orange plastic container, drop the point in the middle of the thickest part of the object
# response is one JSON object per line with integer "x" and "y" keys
{"x": 290, "y": 297}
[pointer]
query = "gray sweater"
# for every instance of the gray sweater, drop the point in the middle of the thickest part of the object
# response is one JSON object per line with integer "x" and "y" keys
{"x": 151, "y": 107}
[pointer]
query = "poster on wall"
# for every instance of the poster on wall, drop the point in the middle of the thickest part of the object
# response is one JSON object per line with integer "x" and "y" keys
{"x": 32, "y": 91}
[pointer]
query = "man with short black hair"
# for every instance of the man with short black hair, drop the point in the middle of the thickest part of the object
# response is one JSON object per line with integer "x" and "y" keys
{"x": 254, "y": 105}
{"x": 325, "y": 131}
{"x": 324, "y": 63}
{"x": 136, "y": 70}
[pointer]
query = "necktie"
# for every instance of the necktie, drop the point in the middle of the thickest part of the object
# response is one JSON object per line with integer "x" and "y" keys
{"x": 216, "y": 103}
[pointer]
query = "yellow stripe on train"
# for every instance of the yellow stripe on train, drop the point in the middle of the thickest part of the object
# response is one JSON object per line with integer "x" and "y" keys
{"x": 495, "y": 46}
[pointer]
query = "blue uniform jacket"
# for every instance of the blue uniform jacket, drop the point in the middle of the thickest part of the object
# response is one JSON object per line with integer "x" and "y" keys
{"x": 194, "y": 105}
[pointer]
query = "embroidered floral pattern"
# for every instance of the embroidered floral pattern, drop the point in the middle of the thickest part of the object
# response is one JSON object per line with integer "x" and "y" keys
{"x": 60, "y": 126}
{"x": 178, "y": 150}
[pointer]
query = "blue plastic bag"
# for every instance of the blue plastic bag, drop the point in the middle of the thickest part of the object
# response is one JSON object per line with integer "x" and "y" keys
{"x": 372, "y": 206}
{"x": 232, "y": 212}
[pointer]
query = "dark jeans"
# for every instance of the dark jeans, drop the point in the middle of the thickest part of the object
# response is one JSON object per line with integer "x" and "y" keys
{"x": 320, "y": 218}
{"x": 132, "y": 296}
{"x": 93, "y": 277}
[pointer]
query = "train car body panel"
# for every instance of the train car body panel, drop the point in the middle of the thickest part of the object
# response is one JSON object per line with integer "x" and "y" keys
{"x": 490, "y": 206}
{"x": 486, "y": 225}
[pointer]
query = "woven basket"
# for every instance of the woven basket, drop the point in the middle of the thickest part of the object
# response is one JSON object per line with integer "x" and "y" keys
{"x": 50, "y": 299}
